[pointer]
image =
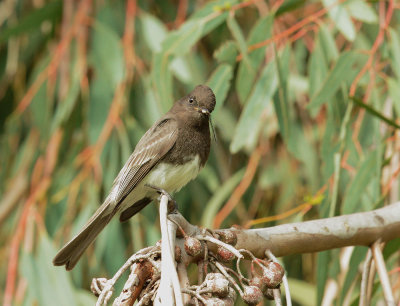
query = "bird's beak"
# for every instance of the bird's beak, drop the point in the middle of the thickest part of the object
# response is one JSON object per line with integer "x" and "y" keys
{"x": 204, "y": 111}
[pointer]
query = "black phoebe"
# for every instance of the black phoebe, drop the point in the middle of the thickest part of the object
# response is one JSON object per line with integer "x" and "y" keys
{"x": 168, "y": 156}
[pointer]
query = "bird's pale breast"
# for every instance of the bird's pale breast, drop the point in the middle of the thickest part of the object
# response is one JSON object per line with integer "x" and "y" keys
{"x": 173, "y": 177}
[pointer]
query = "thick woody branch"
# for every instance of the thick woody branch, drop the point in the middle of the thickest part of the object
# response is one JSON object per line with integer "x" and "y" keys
{"x": 315, "y": 236}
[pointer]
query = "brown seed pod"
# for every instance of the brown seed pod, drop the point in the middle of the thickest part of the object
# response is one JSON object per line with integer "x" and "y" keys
{"x": 269, "y": 293}
{"x": 272, "y": 274}
{"x": 224, "y": 254}
{"x": 258, "y": 282}
{"x": 178, "y": 254}
{"x": 228, "y": 237}
{"x": 252, "y": 295}
{"x": 193, "y": 246}
{"x": 217, "y": 284}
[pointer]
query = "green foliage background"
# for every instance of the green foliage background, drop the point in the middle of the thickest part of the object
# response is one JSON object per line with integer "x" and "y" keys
{"x": 308, "y": 95}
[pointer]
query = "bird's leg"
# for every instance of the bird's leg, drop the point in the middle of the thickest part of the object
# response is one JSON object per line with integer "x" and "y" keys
{"x": 172, "y": 205}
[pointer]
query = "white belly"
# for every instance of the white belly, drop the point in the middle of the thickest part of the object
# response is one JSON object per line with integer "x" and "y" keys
{"x": 166, "y": 176}
{"x": 173, "y": 177}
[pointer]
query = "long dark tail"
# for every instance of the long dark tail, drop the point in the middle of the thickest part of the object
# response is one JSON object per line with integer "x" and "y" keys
{"x": 73, "y": 250}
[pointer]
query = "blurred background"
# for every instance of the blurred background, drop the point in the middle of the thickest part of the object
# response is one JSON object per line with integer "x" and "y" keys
{"x": 308, "y": 96}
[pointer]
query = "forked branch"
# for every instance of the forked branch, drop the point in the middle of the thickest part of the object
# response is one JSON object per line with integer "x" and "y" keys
{"x": 215, "y": 253}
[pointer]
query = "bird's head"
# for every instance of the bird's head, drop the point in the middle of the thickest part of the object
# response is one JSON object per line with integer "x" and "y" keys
{"x": 197, "y": 105}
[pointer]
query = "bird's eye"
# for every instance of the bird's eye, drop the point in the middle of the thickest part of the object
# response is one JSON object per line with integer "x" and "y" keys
{"x": 191, "y": 100}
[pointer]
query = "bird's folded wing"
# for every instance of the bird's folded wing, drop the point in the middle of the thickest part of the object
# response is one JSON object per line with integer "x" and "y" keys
{"x": 152, "y": 147}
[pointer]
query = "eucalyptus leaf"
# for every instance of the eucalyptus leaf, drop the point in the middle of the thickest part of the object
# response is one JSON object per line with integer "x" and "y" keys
{"x": 341, "y": 17}
{"x": 248, "y": 127}
{"x": 220, "y": 82}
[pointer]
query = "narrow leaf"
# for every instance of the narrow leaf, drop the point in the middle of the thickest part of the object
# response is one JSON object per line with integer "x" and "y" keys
{"x": 220, "y": 82}
{"x": 341, "y": 17}
{"x": 219, "y": 197}
{"x": 339, "y": 74}
{"x": 357, "y": 187}
{"x": 246, "y": 74}
{"x": 361, "y": 10}
{"x": 227, "y": 52}
{"x": 249, "y": 124}
{"x": 33, "y": 20}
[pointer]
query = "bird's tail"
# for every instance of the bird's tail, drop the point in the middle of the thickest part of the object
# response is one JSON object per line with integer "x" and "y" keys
{"x": 73, "y": 250}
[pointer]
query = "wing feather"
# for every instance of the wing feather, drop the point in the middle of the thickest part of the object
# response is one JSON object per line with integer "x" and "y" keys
{"x": 153, "y": 146}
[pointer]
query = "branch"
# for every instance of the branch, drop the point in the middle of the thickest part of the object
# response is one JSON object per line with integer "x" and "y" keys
{"x": 229, "y": 246}
{"x": 323, "y": 234}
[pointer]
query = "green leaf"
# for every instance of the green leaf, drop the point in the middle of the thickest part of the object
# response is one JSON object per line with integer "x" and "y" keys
{"x": 328, "y": 43}
{"x": 246, "y": 74}
{"x": 394, "y": 92}
{"x": 281, "y": 102}
{"x": 339, "y": 74}
{"x": 182, "y": 70}
{"x": 66, "y": 106}
{"x": 178, "y": 43}
{"x": 395, "y": 51}
{"x": 238, "y": 36}
{"x": 212, "y": 13}
{"x": 341, "y": 17}
{"x": 153, "y": 31}
{"x": 248, "y": 127}
{"x": 219, "y": 197}
{"x": 226, "y": 122}
{"x": 391, "y": 247}
{"x": 356, "y": 259}
{"x": 49, "y": 284}
{"x": 106, "y": 53}
{"x": 220, "y": 82}
{"x": 107, "y": 59}
{"x": 181, "y": 41}
{"x": 33, "y": 20}
{"x": 362, "y": 11}
{"x": 41, "y": 104}
{"x": 357, "y": 187}
{"x": 227, "y": 52}
{"x": 289, "y": 5}
{"x": 323, "y": 259}
{"x": 302, "y": 292}
{"x": 317, "y": 68}
{"x": 162, "y": 78}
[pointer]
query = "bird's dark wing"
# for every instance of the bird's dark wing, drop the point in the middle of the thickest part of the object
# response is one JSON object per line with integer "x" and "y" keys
{"x": 153, "y": 146}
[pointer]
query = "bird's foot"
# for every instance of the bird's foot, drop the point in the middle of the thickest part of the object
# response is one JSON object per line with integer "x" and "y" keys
{"x": 172, "y": 205}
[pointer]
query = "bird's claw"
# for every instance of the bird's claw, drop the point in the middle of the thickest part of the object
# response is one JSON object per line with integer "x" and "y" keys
{"x": 172, "y": 205}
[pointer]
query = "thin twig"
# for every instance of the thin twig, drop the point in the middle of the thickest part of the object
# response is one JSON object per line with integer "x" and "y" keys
{"x": 104, "y": 296}
{"x": 220, "y": 243}
{"x": 194, "y": 293}
{"x": 382, "y": 272}
{"x": 237, "y": 194}
{"x": 277, "y": 297}
{"x": 221, "y": 268}
{"x": 364, "y": 299}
